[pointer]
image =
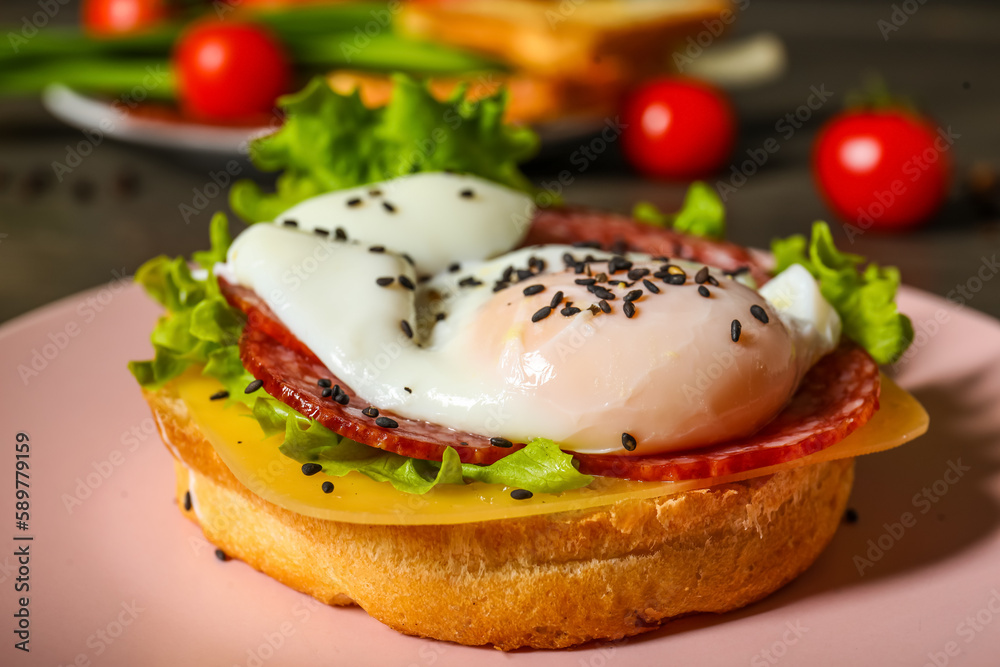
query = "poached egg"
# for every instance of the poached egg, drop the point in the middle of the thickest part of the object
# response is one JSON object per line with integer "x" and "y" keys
{"x": 423, "y": 308}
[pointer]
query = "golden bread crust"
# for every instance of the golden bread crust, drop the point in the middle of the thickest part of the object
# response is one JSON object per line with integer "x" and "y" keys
{"x": 547, "y": 581}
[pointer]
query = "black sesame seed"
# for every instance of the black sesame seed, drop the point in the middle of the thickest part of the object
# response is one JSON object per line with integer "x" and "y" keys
{"x": 521, "y": 494}
{"x": 407, "y": 390}
{"x": 604, "y": 306}
{"x": 339, "y": 396}
{"x": 650, "y": 285}
{"x": 568, "y": 259}
{"x": 635, "y": 274}
{"x": 702, "y": 275}
{"x": 407, "y": 329}
{"x": 629, "y": 309}
{"x": 370, "y": 411}
{"x": 734, "y": 330}
{"x": 569, "y": 311}
{"x": 469, "y": 282}
{"x": 454, "y": 267}
{"x": 702, "y": 290}
{"x": 253, "y": 386}
{"x": 501, "y": 442}
{"x": 524, "y": 274}
{"x": 616, "y": 264}
{"x": 385, "y": 281}
{"x": 759, "y": 313}
{"x": 712, "y": 281}
{"x": 327, "y": 487}
{"x": 340, "y": 234}
{"x": 541, "y": 314}
{"x": 385, "y": 422}
{"x": 851, "y": 515}
{"x": 408, "y": 259}
{"x": 187, "y": 501}
{"x": 601, "y": 292}
{"x": 221, "y": 555}
{"x": 324, "y": 382}
{"x": 508, "y": 273}
{"x": 468, "y": 194}
{"x": 389, "y": 207}
{"x": 310, "y": 469}
{"x": 219, "y": 395}
{"x": 407, "y": 283}
{"x": 537, "y": 263}
{"x": 354, "y": 202}
{"x": 290, "y": 223}
{"x": 327, "y": 392}
{"x": 633, "y": 295}
{"x": 556, "y": 299}
{"x": 439, "y": 317}
{"x": 674, "y": 279}
{"x": 319, "y": 231}
{"x": 501, "y": 285}
{"x": 377, "y": 248}
{"x": 628, "y": 442}
{"x": 585, "y": 281}
{"x": 737, "y": 272}
{"x": 533, "y": 289}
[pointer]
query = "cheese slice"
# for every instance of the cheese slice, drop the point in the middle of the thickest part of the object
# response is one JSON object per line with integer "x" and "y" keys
{"x": 257, "y": 463}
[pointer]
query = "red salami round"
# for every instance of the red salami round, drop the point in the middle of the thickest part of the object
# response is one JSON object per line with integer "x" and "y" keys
{"x": 571, "y": 224}
{"x": 291, "y": 376}
{"x": 838, "y": 395}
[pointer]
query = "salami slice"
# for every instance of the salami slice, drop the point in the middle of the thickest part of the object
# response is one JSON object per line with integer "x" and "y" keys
{"x": 292, "y": 377}
{"x": 838, "y": 395}
{"x": 619, "y": 233}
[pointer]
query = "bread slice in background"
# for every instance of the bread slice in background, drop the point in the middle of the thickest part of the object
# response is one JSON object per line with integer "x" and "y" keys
{"x": 596, "y": 41}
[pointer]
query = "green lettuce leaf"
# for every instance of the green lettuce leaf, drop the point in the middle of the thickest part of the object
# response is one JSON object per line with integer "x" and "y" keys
{"x": 332, "y": 142}
{"x": 199, "y": 328}
{"x": 703, "y": 213}
{"x": 864, "y": 299}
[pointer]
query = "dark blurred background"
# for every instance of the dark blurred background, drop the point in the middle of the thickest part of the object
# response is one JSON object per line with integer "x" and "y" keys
{"x": 103, "y": 220}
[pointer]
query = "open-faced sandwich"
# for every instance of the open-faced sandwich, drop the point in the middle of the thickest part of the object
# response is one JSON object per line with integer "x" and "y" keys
{"x": 422, "y": 387}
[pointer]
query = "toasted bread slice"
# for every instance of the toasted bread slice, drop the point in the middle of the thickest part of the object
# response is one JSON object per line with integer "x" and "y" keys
{"x": 594, "y": 40}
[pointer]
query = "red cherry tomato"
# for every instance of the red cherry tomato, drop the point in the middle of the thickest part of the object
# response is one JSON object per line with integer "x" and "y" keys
{"x": 229, "y": 71}
{"x": 678, "y": 129}
{"x": 884, "y": 169}
{"x": 119, "y": 17}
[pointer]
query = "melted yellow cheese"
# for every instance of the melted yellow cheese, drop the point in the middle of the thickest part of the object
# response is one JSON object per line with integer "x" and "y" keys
{"x": 257, "y": 463}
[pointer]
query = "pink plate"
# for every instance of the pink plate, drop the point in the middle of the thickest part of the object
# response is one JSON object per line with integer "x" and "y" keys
{"x": 118, "y": 577}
